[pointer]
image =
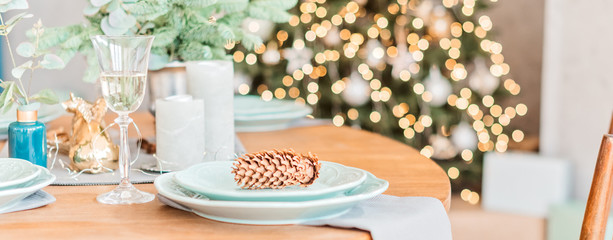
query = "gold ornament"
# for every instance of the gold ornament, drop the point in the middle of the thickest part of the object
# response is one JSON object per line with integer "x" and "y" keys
{"x": 87, "y": 123}
{"x": 276, "y": 169}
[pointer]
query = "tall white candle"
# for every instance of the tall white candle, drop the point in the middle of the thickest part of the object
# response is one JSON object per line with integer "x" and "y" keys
{"x": 212, "y": 81}
{"x": 179, "y": 132}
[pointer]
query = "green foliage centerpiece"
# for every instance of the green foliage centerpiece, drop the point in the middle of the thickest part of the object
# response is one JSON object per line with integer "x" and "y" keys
{"x": 184, "y": 30}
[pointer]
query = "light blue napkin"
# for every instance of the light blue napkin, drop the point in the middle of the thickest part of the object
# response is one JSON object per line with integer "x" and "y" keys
{"x": 386, "y": 218}
{"x": 38, "y": 199}
{"x": 390, "y": 217}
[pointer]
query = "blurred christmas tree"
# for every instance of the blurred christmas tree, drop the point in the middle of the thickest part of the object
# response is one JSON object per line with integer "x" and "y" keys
{"x": 425, "y": 72}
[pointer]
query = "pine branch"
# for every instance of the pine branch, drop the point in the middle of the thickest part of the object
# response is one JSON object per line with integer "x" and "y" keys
{"x": 200, "y": 33}
{"x": 194, "y": 51}
{"x": 250, "y": 41}
{"x": 66, "y": 54}
{"x": 225, "y": 32}
{"x": 279, "y": 4}
{"x": 56, "y": 36}
{"x": 231, "y": 6}
{"x": 164, "y": 36}
{"x": 232, "y": 19}
{"x": 219, "y": 53}
{"x": 148, "y": 9}
{"x": 73, "y": 42}
{"x": 269, "y": 13}
{"x": 196, "y": 3}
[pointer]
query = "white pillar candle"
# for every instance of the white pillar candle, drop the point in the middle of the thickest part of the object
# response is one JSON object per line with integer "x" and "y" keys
{"x": 212, "y": 81}
{"x": 179, "y": 132}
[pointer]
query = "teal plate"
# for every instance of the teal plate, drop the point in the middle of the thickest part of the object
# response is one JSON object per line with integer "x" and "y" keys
{"x": 269, "y": 213}
{"x": 216, "y": 181}
{"x": 10, "y": 197}
{"x": 15, "y": 171}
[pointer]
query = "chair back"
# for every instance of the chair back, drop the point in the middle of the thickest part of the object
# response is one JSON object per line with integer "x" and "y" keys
{"x": 599, "y": 200}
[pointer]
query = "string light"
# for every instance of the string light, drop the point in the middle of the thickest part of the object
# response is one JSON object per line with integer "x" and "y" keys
{"x": 243, "y": 89}
{"x": 453, "y": 172}
{"x": 427, "y": 151}
{"x": 353, "y": 114}
{"x": 280, "y": 93}
{"x": 518, "y": 135}
{"x": 409, "y": 133}
{"x": 251, "y": 59}
{"x": 375, "y": 117}
{"x": 467, "y": 155}
{"x": 266, "y": 95}
{"x": 338, "y": 120}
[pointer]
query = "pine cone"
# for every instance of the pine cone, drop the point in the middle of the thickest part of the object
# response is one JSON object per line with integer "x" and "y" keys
{"x": 275, "y": 169}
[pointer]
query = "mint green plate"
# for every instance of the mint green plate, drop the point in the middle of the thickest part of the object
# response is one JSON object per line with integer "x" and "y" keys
{"x": 269, "y": 213}
{"x": 216, "y": 181}
{"x": 15, "y": 171}
{"x": 12, "y": 196}
{"x": 253, "y": 107}
{"x": 252, "y": 114}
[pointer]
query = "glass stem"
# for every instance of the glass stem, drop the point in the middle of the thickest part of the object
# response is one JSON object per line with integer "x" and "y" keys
{"x": 124, "y": 149}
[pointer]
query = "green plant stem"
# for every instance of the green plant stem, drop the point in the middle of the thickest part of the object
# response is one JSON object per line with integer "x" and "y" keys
{"x": 34, "y": 60}
{"x": 30, "y": 82}
{"x": 8, "y": 45}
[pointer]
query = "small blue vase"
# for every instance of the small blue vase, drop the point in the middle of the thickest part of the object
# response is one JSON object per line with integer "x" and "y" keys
{"x": 28, "y": 138}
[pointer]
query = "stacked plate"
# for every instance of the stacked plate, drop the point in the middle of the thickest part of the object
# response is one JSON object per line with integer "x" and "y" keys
{"x": 252, "y": 114}
{"x": 20, "y": 178}
{"x": 209, "y": 190}
{"x": 46, "y": 113}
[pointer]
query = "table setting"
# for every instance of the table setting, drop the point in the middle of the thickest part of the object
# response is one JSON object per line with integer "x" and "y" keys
{"x": 202, "y": 154}
{"x": 21, "y": 183}
{"x": 290, "y": 211}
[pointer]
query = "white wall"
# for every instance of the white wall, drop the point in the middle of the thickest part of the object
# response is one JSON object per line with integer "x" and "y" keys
{"x": 577, "y": 90}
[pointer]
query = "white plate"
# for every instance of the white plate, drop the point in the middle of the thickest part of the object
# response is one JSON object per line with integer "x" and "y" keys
{"x": 46, "y": 113}
{"x": 14, "y": 171}
{"x": 252, "y": 114}
{"x": 216, "y": 181}
{"x": 10, "y": 197}
{"x": 269, "y": 213}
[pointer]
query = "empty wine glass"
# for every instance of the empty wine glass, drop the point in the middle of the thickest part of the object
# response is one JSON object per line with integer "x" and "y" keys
{"x": 123, "y": 73}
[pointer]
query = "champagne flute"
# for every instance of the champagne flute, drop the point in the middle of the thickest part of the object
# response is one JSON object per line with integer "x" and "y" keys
{"x": 123, "y": 64}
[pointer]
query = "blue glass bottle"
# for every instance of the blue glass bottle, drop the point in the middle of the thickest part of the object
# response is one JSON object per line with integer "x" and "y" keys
{"x": 28, "y": 138}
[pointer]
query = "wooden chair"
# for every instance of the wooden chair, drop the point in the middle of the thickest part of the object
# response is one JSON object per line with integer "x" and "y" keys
{"x": 599, "y": 200}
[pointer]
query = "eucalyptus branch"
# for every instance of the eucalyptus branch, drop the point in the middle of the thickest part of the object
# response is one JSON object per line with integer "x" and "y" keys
{"x": 36, "y": 58}
{"x": 30, "y": 82}
{"x": 138, "y": 26}
{"x": 8, "y": 42}
{"x": 8, "y": 45}
{"x": 37, "y": 31}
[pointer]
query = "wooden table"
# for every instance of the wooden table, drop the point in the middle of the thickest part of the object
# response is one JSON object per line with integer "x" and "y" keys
{"x": 77, "y": 215}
